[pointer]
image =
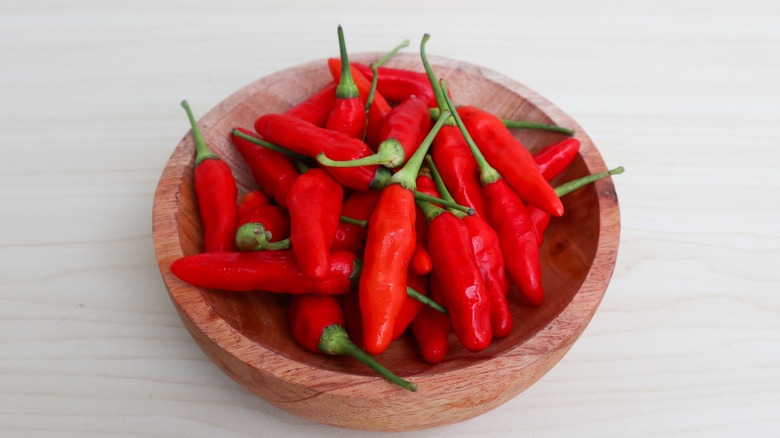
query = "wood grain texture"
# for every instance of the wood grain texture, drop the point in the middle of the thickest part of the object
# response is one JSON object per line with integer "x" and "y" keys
{"x": 685, "y": 343}
{"x": 247, "y": 334}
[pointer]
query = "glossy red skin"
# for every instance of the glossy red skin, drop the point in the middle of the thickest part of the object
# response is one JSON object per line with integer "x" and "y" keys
{"x": 304, "y": 138}
{"x": 271, "y": 271}
{"x": 398, "y": 84}
{"x": 360, "y": 206}
{"x": 353, "y": 324}
{"x": 431, "y": 328}
{"x": 250, "y": 201}
{"x": 216, "y": 192}
{"x": 274, "y": 172}
{"x": 314, "y": 203}
{"x": 421, "y": 259}
{"x": 389, "y": 248}
{"x": 348, "y": 117}
{"x": 379, "y": 107}
{"x": 309, "y": 315}
{"x": 552, "y": 160}
{"x": 507, "y": 214}
{"x": 511, "y": 159}
{"x": 490, "y": 259}
{"x": 467, "y": 299}
{"x": 458, "y": 168}
{"x": 273, "y": 218}
{"x": 317, "y": 108}
{"x": 408, "y": 123}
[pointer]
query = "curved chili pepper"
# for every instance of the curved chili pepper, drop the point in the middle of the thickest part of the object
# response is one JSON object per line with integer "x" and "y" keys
{"x": 261, "y": 225}
{"x": 431, "y": 328}
{"x": 399, "y": 84}
{"x": 304, "y": 138}
{"x": 216, "y": 192}
{"x": 408, "y": 124}
{"x": 317, "y": 108}
{"x": 467, "y": 299}
{"x": 273, "y": 171}
{"x": 271, "y": 271}
{"x": 360, "y": 206}
{"x": 317, "y": 323}
{"x": 509, "y": 217}
{"x": 487, "y": 251}
{"x": 389, "y": 248}
{"x": 314, "y": 203}
{"x": 411, "y": 306}
{"x": 348, "y": 115}
{"x": 379, "y": 107}
{"x": 510, "y": 158}
{"x": 553, "y": 159}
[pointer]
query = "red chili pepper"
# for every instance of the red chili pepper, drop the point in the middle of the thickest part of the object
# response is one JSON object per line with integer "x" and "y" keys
{"x": 408, "y": 124}
{"x": 314, "y": 203}
{"x": 349, "y": 113}
{"x": 307, "y": 139}
{"x": 271, "y": 271}
{"x": 504, "y": 152}
{"x": 250, "y": 201}
{"x": 458, "y": 168}
{"x": 360, "y": 206}
{"x": 411, "y": 307}
{"x": 421, "y": 260}
{"x": 216, "y": 191}
{"x": 273, "y": 171}
{"x": 467, "y": 299}
{"x": 399, "y": 84}
{"x": 379, "y": 107}
{"x": 317, "y": 323}
{"x": 317, "y": 108}
{"x": 261, "y": 225}
{"x": 490, "y": 259}
{"x": 389, "y": 248}
{"x": 509, "y": 217}
{"x": 431, "y": 328}
{"x": 553, "y": 159}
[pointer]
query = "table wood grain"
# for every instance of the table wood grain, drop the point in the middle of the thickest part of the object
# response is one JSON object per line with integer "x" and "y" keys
{"x": 683, "y": 94}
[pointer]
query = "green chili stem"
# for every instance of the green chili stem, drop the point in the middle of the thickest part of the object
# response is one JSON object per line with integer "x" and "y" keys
{"x": 522, "y": 124}
{"x": 267, "y": 145}
{"x": 202, "y": 150}
{"x": 415, "y": 295}
{"x": 389, "y": 154}
{"x": 334, "y": 340}
{"x": 408, "y": 174}
{"x": 519, "y": 124}
{"x": 568, "y": 187}
{"x": 487, "y": 174}
{"x": 420, "y": 196}
{"x": 436, "y": 177}
{"x": 437, "y": 91}
{"x": 429, "y": 210}
{"x": 346, "y": 88}
{"x": 375, "y": 70}
{"x": 353, "y": 221}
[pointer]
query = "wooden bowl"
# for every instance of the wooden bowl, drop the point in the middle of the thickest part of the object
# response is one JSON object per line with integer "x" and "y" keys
{"x": 247, "y": 336}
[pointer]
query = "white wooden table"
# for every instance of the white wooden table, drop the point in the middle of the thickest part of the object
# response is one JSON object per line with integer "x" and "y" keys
{"x": 684, "y": 94}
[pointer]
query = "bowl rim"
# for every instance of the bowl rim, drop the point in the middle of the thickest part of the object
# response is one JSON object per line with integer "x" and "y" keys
{"x": 570, "y": 322}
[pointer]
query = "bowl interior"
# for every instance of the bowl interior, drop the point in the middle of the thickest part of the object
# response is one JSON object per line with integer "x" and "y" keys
{"x": 567, "y": 254}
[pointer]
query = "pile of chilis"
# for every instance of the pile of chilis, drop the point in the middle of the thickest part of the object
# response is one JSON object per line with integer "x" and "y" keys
{"x": 382, "y": 207}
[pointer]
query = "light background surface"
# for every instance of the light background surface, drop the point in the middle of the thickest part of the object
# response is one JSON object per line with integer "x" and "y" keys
{"x": 684, "y": 94}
